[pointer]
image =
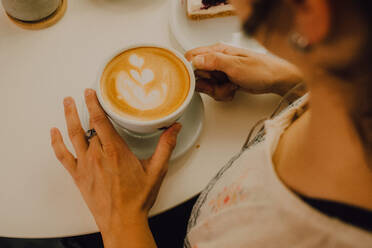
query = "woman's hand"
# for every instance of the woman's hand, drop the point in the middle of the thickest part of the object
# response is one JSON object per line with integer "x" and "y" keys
{"x": 222, "y": 70}
{"x": 118, "y": 188}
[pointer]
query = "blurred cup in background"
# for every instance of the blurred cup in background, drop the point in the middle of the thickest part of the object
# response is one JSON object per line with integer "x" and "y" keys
{"x": 30, "y": 10}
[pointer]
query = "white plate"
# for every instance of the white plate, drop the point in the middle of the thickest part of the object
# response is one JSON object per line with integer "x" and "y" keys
{"x": 194, "y": 33}
{"x": 192, "y": 124}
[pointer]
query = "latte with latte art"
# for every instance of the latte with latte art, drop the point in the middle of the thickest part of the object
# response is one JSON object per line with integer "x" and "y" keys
{"x": 145, "y": 83}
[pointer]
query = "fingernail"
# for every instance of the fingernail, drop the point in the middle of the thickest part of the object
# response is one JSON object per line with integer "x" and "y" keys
{"x": 89, "y": 92}
{"x": 186, "y": 56}
{"x": 198, "y": 60}
{"x": 67, "y": 101}
{"x": 177, "y": 127}
{"x": 53, "y": 131}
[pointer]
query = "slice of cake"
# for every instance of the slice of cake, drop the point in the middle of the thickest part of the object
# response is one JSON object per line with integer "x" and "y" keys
{"x": 202, "y": 9}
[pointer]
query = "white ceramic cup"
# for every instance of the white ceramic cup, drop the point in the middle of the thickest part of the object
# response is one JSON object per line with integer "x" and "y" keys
{"x": 146, "y": 127}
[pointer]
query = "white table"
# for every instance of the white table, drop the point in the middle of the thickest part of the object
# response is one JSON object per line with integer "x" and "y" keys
{"x": 39, "y": 68}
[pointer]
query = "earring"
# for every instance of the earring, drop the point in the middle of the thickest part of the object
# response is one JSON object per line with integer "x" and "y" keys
{"x": 299, "y": 42}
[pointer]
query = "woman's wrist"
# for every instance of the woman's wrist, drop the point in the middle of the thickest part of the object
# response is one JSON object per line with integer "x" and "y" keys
{"x": 285, "y": 77}
{"x": 131, "y": 230}
{"x": 119, "y": 221}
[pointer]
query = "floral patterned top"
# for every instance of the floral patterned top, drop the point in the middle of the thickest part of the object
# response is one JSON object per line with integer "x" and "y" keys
{"x": 246, "y": 204}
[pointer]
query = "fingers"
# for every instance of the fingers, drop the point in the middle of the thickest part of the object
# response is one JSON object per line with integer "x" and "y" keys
{"x": 75, "y": 131}
{"x": 95, "y": 144}
{"x": 205, "y": 86}
{"x": 225, "y": 92}
{"x": 216, "y": 84}
{"x": 219, "y": 91}
{"x": 220, "y": 48}
{"x": 164, "y": 149}
{"x": 219, "y": 76}
{"x": 98, "y": 119}
{"x": 214, "y": 62}
{"x": 62, "y": 153}
{"x": 203, "y": 74}
{"x": 189, "y": 55}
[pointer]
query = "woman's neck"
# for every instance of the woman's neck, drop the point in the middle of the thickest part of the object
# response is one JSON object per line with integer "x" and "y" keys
{"x": 320, "y": 155}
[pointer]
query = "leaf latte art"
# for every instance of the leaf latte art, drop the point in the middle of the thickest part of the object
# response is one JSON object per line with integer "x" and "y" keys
{"x": 145, "y": 83}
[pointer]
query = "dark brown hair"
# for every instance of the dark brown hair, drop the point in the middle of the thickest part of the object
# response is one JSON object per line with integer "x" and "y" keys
{"x": 359, "y": 73}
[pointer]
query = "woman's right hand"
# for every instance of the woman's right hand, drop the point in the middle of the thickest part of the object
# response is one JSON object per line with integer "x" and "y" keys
{"x": 221, "y": 70}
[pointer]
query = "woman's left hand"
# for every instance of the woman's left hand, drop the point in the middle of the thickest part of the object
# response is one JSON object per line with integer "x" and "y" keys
{"x": 118, "y": 188}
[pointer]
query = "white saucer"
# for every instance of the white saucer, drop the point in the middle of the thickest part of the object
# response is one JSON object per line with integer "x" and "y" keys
{"x": 191, "y": 33}
{"x": 192, "y": 124}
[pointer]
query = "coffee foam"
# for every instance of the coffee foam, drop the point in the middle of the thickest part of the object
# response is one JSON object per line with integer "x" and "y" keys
{"x": 145, "y": 83}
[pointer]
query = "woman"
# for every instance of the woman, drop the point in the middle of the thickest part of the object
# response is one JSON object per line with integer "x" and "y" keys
{"x": 306, "y": 181}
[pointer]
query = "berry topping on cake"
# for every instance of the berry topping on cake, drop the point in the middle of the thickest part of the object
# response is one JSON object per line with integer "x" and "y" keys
{"x": 203, "y": 9}
{"x": 209, "y": 3}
